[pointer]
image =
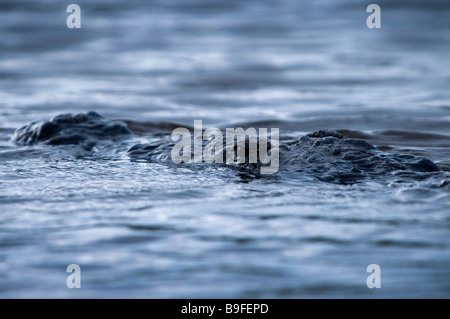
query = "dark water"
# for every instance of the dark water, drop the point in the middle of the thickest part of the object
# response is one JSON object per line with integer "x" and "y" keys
{"x": 141, "y": 228}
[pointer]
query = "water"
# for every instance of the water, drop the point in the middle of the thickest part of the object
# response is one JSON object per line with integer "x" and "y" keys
{"x": 154, "y": 230}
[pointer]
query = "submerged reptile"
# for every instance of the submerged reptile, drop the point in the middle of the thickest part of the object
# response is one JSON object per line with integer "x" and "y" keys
{"x": 327, "y": 155}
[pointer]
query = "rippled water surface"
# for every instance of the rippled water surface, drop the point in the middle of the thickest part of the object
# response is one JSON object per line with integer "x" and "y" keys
{"x": 151, "y": 229}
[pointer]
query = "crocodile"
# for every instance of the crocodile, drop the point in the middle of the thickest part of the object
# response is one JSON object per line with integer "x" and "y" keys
{"x": 328, "y": 155}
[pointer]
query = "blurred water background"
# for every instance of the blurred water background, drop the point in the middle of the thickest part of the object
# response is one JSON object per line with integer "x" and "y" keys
{"x": 146, "y": 230}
